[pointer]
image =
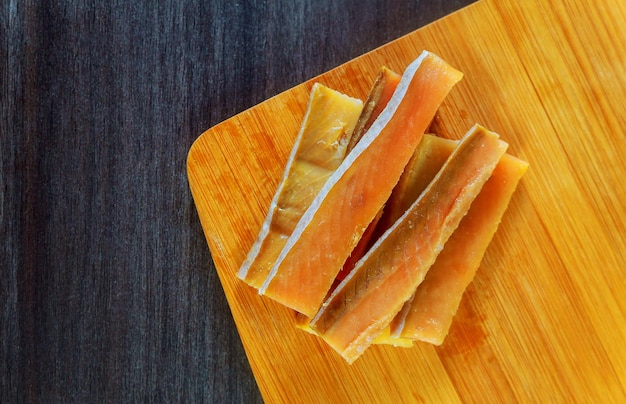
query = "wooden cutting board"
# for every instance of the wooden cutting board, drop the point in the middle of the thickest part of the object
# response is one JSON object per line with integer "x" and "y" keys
{"x": 545, "y": 318}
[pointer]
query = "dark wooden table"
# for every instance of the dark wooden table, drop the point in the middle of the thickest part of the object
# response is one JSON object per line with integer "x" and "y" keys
{"x": 107, "y": 288}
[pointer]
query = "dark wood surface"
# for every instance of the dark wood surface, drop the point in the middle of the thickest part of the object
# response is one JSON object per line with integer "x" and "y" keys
{"x": 107, "y": 289}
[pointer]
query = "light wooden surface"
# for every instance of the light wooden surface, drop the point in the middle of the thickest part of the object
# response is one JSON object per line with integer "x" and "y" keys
{"x": 545, "y": 318}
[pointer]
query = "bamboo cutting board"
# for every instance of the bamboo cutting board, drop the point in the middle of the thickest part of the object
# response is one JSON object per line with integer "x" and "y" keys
{"x": 545, "y": 318}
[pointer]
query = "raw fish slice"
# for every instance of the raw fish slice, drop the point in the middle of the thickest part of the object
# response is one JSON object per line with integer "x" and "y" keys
{"x": 364, "y": 304}
{"x": 319, "y": 149}
{"x": 380, "y": 94}
{"x": 353, "y": 195}
{"x": 429, "y": 315}
{"x": 429, "y": 157}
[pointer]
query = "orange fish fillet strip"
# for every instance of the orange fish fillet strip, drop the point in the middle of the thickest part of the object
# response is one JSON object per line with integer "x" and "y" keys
{"x": 320, "y": 147}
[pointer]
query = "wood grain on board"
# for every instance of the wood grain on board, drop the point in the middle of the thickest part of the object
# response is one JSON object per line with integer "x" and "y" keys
{"x": 545, "y": 317}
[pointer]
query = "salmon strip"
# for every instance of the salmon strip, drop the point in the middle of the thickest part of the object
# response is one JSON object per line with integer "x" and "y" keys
{"x": 428, "y": 316}
{"x": 353, "y": 195}
{"x": 429, "y": 157}
{"x": 382, "y": 90}
{"x": 368, "y": 299}
{"x": 320, "y": 147}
